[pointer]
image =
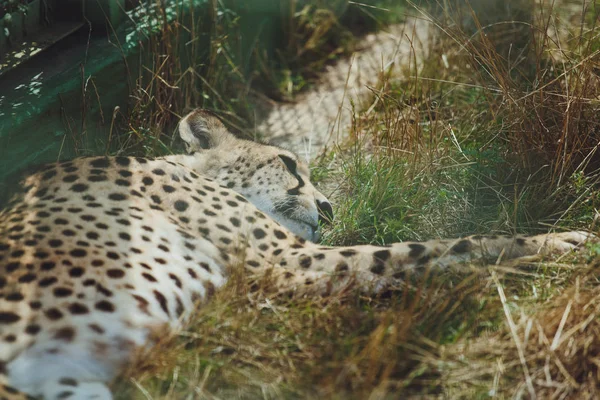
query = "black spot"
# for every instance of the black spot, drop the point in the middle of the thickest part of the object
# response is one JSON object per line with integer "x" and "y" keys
{"x": 78, "y": 253}
{"x": 162, "y": 300}
{"x": 149, "y": 277}
{"x": 35, "y": 305}
{"x": 423, "y": 260}
{"x": 70, "y": 178}
{"x": 147, "y": 181}
{"x": 180, "y": 308}
{"x": 33, "y": 329}
{"x": 259, "y": 233}
{"x": 27, "y": 278}
{"x": 10, "y": 389}
{"x": 45, "y": 282}
{"x": 125, "y": 236}
{"x": 49, "y": 175}
{"x": 123, "y": 161}
{"x": 341, "y": 267}
{"x": 158, "y": 171}
{"x": 117, "y": 196}
{"x": 78, "y": 309}
{"x": 279, "y": 234}
{"x": 378, "y": 268}
{"x": 122, "y": 182}
{"x": 176, "y": 279}
{"x": 521, "y": 241}
{"x": 381, "y": 255}
{"x": 463, "y": 246}
{"x": 98, "y": 178}
{"x": 8, "y": 318}
{"x": 115, "y": 273}
{"x": 100, "y": 163}
{"x": 348, "y": 253}
{"x": 305, "y": 261}
{"x": 79, "y": 187}
{"x": 155, "y": 199}
{"x": 62, "y": 292}
{"x": 92, "y": 235}
{"x": 53, "y": 314}
{"x": 205, "y": 266}
{"x": 40, "y": 193}
{"x": 16, "y": 296}
{"x": 68, "y": 382}
{"x": 76, "y": 272}
{"x": 223, "y": 228}
{"x": 13, "y": 266}
{"x": 168, "y": 188}
{"x": 181, "y": 205}
{"x": 67, "y": 334}
{"x": 47, "y": 265}
{"x": 96, "y": 328}
{"x": 105, "y": 306}
{"x": 416, "y": 250}
{"x": 55, "y": 243}
{"x": 103, "y": 290}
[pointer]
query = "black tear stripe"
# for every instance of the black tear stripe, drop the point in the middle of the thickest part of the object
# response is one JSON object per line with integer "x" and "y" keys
{"x": 292, "y": 166}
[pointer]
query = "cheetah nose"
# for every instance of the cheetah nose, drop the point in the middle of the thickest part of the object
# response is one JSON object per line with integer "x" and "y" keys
{"x": 325, "y": 212}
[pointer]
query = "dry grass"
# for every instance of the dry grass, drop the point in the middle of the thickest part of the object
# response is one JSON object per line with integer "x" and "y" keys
{"x": 547, "y": 347}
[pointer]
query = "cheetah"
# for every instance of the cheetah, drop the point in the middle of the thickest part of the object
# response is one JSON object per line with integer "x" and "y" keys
{"x": 98, "y": 253}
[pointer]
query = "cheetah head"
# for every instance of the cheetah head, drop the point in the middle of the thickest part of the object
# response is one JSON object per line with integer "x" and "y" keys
{"x": 273, "y": 179}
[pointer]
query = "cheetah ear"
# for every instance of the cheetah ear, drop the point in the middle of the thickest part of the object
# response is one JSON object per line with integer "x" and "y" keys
{"x": 201, "y": 130}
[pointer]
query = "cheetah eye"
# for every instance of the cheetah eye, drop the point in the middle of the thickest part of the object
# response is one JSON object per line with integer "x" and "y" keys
{"x": 290, "y": 164}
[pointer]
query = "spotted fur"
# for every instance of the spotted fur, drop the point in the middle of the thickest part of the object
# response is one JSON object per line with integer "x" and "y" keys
{"x": 97, "y": 254}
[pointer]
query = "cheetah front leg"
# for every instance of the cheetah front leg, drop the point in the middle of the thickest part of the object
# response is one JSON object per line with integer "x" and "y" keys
{"x": 325, "y": 270}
